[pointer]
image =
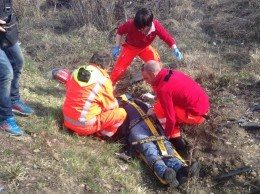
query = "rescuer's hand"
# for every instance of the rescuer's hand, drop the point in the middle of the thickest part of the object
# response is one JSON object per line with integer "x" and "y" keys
{"x": 2, "y": 22}
{"x": 115, "y": 51}
{"x": 177, "y": 54}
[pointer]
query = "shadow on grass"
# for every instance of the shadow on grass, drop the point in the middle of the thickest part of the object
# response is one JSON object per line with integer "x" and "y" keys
{"x": 149, "y": 179}
{"x": 254, "y": 133}
{"x": 55, "y": 92}
{"x": 50, "y": 113}
{"x": 43, "y": 111}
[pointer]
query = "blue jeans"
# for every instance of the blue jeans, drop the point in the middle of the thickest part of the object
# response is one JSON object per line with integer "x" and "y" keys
{"x": 11, "y": 64}
{"x": 151, "y": 151}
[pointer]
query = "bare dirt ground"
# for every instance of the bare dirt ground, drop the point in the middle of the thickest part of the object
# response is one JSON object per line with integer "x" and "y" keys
{"x": 228, "y": 141}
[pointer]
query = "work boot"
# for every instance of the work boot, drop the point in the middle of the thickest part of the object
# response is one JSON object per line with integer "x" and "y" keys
{"x": 170, "y": 177}
{"x": 20, "y": 107}
{"x": 9, "y": 125}
{"x": 185, "y": 172}
{"x": 194, "y": 169}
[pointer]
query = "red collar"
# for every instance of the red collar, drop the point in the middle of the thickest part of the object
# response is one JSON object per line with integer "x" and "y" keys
{"x": 159, "y": 77}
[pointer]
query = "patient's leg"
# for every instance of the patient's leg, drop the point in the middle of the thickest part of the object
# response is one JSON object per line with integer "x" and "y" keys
{"x": 149, "y": 150}
{"x": 171, "y": 162}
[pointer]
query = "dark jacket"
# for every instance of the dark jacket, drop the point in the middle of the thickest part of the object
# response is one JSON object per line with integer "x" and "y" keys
{"x": 10, "y": 37}
{"x": 133, "y": 118}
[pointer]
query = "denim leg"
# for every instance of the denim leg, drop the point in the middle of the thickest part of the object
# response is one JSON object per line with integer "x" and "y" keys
{"x": 172, "y": 162}
{"x": 16, "y": 59}
{"x": 6, "y": 77}
{"x": 153, "y": 158}
{"x": 149, "y": 150}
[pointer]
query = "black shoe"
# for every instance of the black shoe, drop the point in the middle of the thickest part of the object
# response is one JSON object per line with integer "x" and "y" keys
{"x": 194, "y": 169}
{"x": 185, "y": 172}
{"x": 170, "y": 177}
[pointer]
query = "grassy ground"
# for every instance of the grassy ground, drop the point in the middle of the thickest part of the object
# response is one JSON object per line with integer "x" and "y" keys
{"x": 48, "y": 159}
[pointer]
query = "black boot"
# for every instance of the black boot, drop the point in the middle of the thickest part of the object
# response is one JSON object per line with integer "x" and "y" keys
{"x": 185, "y": 172}
{"x": 170, "y": 177}
{"x": 194, "y": 169}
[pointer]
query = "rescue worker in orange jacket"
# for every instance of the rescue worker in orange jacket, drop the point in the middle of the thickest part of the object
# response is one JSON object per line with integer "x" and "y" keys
{"x": 90, "y": 106}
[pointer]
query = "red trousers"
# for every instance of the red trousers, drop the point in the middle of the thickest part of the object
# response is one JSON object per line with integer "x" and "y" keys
{"x": 127, "y": 55}
{"x": 182, "y": 117}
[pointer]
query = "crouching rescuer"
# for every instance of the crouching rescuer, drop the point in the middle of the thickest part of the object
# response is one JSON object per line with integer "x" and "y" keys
{"x": 90, "y": 106}
{"x": 144, "y": 136}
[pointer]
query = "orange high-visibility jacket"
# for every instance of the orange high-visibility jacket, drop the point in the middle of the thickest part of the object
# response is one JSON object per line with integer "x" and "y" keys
{"x": 84, "y": 101}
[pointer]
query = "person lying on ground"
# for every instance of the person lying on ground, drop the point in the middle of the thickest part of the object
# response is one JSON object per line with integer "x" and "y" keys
{"x": 145, "y": 136}
{"x": 90, "y": 106}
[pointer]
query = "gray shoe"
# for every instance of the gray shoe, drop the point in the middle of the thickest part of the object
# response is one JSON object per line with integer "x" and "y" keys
{"x": 170, "y": 177}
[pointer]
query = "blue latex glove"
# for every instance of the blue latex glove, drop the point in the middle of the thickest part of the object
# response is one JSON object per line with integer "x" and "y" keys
{"x": 116, "y": 51}
{"x": 177, "y": 54}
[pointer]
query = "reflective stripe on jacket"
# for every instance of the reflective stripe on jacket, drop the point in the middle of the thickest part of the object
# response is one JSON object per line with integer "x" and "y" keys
{"x": 85, "y": 100}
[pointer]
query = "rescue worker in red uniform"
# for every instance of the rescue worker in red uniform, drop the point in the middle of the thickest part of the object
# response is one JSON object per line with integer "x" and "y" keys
{"x": 90, "y": 106}
{"x": 139, "y": 34}
{"x": 181, "y": 100}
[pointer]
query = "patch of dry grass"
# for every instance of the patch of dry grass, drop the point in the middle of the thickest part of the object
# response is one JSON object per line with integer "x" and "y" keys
{"x": 49, "y": 159}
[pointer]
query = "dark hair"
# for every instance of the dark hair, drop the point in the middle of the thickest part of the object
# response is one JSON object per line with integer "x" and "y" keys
{"x": 83, "y": 75}
{"x": 102, "y": 59}
{"x": 143, "y": 18}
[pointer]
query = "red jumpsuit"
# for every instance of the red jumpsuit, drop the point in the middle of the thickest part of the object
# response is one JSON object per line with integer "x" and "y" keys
{"x": 138, "y": 44}
{"x": 181, "y": 100}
